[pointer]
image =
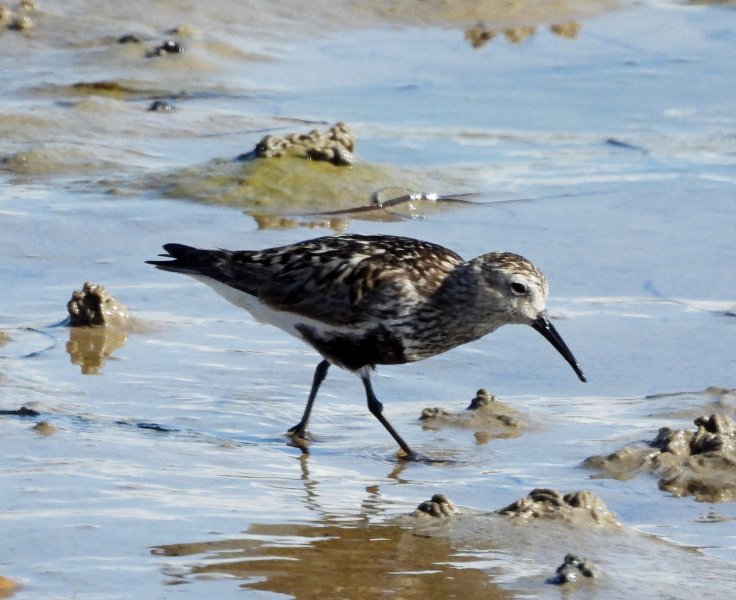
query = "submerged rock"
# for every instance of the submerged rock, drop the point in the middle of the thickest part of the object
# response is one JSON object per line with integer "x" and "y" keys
{"x": 438, "y": 506}
{"x": 578, "y": 508}
{"x": 700, "y": 463}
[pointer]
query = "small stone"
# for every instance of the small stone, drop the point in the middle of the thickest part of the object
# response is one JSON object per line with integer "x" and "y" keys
{"x": 129, "y": 38}
{"x": 438, "y": 506}
{"x": 675, "y": 441}
{"x": 432, "y": 413}
{"x": 342, "y": 156}
{"x": 271, "y": 146}
{"x": 482, "y": 398}
{"x": 44, "y": 428}
{"x": 168, "y": 47}
{"x": 571, "y": 569}
{"x": 160, "y": 106}
{"x": 343, "y": 135}
{"x": 547, "y": 495}
{"x": 715, "y": 423}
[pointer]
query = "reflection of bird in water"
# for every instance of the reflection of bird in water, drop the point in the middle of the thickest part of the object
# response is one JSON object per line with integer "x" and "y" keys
{"x": 363, "y": 301}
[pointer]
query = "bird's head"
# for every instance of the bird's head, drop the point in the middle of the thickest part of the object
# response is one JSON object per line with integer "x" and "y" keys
{"x": 517, "y": 290}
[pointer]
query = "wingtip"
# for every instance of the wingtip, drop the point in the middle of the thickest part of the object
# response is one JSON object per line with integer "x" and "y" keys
{"x": 170, "y": 253}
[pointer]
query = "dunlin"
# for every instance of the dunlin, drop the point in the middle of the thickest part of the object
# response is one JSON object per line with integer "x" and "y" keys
{"x": 367, "y": 300}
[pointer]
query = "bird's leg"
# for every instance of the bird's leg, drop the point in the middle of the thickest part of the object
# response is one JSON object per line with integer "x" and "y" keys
{"x": 300, "y": 429}
{"x": 376, "y": 409}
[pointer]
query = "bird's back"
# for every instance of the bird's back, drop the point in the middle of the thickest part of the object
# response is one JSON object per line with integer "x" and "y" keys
{"x": 343, "y": 280}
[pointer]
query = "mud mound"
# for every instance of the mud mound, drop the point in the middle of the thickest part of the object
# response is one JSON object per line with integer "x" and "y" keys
{"x": 576, "y": 508}
{"x": 700, "y": 463}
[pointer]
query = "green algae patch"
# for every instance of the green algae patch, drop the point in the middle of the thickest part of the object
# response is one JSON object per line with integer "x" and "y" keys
{"x": 288, "y": 184}
{"x": 295, "y": 174}
{"x": 308, "y": 179}
{"x": 117, "y": 89}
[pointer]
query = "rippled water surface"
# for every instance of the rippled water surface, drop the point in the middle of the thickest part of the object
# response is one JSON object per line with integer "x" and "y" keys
{"x": 605, "y": 155}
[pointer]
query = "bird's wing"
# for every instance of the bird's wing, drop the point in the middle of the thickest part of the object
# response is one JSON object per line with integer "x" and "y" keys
{"x": 350, "y": 279}
{"x": 342, "y": 280}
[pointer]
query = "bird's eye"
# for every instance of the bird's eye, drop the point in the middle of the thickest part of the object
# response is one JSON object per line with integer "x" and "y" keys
{"x": 518, "y": 288}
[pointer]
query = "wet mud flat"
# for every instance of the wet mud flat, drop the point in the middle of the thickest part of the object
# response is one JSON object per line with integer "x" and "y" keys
{"x": 340, "y": 512}
{"x": 366, "y": 558}
{"x": 143, "y": 438}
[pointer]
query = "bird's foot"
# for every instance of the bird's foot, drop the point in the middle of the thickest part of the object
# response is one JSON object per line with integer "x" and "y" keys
{"x": 408, "y": 455}
{"x": 299, "y": 440}
{"x": 299, "y": 437}
{"x": 411, "y": 456}
{"x": 300, "y": 430}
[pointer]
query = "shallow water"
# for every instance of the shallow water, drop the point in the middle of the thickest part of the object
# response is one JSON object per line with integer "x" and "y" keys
{"x": 621, "y": 144}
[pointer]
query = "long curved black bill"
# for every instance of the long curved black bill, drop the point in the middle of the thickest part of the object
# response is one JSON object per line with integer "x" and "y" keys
{"x": 544, "y": 326}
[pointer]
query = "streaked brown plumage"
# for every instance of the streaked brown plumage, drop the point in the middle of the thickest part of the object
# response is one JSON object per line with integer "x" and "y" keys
{"x": 361, "y": 301}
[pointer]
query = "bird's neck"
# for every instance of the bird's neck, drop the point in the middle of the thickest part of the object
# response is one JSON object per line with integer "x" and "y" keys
{"x": 454, "y": 315}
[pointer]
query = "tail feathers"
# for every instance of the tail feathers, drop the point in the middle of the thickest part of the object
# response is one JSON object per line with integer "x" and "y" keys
{"x": 186, "y": 259}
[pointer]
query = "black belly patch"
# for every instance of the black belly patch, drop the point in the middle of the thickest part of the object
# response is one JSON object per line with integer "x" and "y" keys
{"x": 377, "y": 346}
